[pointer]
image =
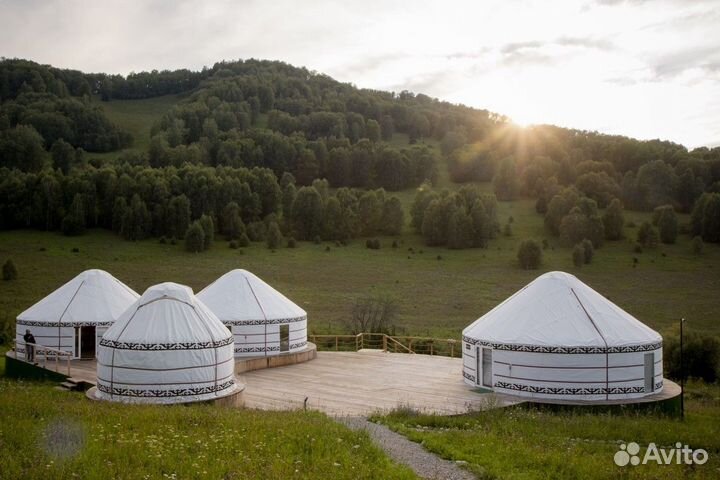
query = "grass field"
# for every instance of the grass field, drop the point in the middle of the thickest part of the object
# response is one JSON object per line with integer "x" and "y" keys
{"x": 515, "y": 443}
{"x": 47, "y": 434}
{"x": 435, "y": 297}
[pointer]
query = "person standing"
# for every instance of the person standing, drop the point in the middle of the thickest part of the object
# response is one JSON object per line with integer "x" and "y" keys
{"x": 29, "y": 346}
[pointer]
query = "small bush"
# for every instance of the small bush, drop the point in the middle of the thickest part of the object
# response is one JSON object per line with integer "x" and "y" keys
{"x": 75, "y": 250}
{"x": 439, "y": 257}
{"x": 648, "y": 235}
{"x": 274, "y": 236}
{"x": 545, "y": 244}
{"x": 317, "y": 240}
{"x": 233, "y": 244}
{"x": 701, "y": 356}
{"x": 507, "y": 231}
{"x": 578, "y": 255}
{"x": 327, "y": 248}
{"x": 9, "y": 270}
{"x": 697, "y": 245}
{"x": 163, "y": 240}
{"x": 372, "y": 243}
{"x": 637, "y": 248}
{"x": 529, "y": 254}
{"x": 394, "y": 244}
{"x": 511, "y": 219}
{"x": 244, "y": 240}
{"x": 630, "y": 224}
{"x": 291, "y": 243}
{"x": 173, "y": 241}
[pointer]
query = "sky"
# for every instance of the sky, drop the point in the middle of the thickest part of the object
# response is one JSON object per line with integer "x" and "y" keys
{"x": 641, "y": 68}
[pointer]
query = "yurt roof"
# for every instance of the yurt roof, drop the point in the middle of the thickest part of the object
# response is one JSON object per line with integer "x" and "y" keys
{"x": 94, "y": 297}
{"x": 241, "y": 297}
{"x": 167, "y": 316}
{"x": 557, "y": 309}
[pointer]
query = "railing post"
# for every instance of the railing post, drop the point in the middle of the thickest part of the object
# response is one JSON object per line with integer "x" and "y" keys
{"x": 384, "y": 343}
{"x": 410, "y": 346}
{"x": 452, "y": 349}
{"x": 68, "y": 360}
{"x": 336, "y": 343}
{"x": 431, "y": 348}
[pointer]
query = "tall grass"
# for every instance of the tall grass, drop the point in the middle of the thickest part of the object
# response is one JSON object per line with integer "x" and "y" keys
{"x": 516, "y": 443}
{"x": 47, "y": 434}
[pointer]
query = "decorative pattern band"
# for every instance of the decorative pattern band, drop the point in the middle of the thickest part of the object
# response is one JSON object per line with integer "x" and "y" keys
{"x": 518, "y": 347}
{"x": 469, "y": 377}
{"x": 570, "y": 390}
{"x": 272, "y": 321}
{"x": 166, "y": 346}
{"x": 33, "y": 323}
{"x": 274, "y": 348}
{"x": 177, "y": 392}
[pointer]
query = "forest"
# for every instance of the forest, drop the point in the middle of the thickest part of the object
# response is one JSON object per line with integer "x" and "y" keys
{"x": 262, "y": 145}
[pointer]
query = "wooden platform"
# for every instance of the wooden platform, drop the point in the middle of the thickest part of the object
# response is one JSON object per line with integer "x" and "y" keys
{"x": 364, "y": 382}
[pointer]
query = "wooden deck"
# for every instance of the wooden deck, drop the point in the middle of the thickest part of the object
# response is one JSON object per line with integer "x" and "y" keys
{"x": 364, "y": 382}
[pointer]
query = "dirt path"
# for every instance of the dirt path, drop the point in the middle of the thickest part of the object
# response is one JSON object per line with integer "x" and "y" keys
{"x": 423, "y": 463}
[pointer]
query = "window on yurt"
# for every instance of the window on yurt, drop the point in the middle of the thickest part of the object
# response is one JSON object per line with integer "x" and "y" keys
{"x": 284, "y": 338}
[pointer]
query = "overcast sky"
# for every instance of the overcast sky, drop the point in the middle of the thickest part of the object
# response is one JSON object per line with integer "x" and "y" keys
{"x": 648, "y": 69}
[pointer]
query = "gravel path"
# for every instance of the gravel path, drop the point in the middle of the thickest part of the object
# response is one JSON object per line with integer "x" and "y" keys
{"x": 402, "y": 450}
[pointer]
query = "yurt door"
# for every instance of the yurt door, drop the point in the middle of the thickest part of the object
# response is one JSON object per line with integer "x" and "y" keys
{"x": 87, "y": 342}
{"x": 487, "y": 367}
{"x": 649, "y": 372}
{"x": 284, "y": 338}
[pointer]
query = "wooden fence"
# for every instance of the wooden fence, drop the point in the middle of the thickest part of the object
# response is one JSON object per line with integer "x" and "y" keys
{"x": 388, "y": 343}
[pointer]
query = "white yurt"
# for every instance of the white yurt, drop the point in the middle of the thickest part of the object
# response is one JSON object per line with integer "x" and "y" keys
{"x": 557, "y": 338}
{"x": 166, "y": 348}
{"x": 263, "y": 321}
{"x": 75, "y": 316}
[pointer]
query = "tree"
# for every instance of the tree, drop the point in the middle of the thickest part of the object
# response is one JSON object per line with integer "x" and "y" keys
{"x": 559, "y": 206}
{"x": 578, "y": 255}
{"x": 136, "y": 220}
{"x": 232, "y": 223}
{"x": 370, "y": 211}
{"x": 195, "y": 238}
{"x": 372, "y": 130}
{"x": 307, "y": 213}
{"x": 118, "y": 213}
{"x": 529, "y": 254}
{"x": 648, "y": 235}
{"x": 506, "y": 182}
{"x": 393, "y": 217}
{"x": 63, "y": 155}
{"x": 373, "y": 313}
{"x": 666, "y": 221}
{"x": 705, "y": 217}
{"x": 274, "y": 236}
{"x": 9, "y": 270}
{"x": 588, "y": 250}
{"x": 577, "y": 225}
{"x": 208, "y": 226}
{"x": 423, "y": 197}
{"x": 21, "y": 147}
{"x": 178, "y": 216}
{"x": 656, "y": 182}
{"x": 613, "y": 220}
{"x": 74, "y": 222}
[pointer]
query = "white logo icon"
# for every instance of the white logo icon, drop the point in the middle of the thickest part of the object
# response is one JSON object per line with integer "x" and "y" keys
{"x": 681, "y": 454}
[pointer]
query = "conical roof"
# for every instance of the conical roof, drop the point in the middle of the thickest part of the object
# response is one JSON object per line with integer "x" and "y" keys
{"x": 94, "y": 297}
{"x": 557, "y": 309}
{"x": 167, "y": 314}
{"x": 240, "y": 297}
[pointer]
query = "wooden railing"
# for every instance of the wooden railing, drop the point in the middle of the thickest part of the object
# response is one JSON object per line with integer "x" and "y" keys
{"x": 44, "y": 352}
{"x": 446, "y": 347}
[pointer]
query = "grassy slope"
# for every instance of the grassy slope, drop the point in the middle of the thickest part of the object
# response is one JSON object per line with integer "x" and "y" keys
{"x": 436, "y": 297}
{"x": 47, "y": 434}
{"x": 520, "y": 444}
